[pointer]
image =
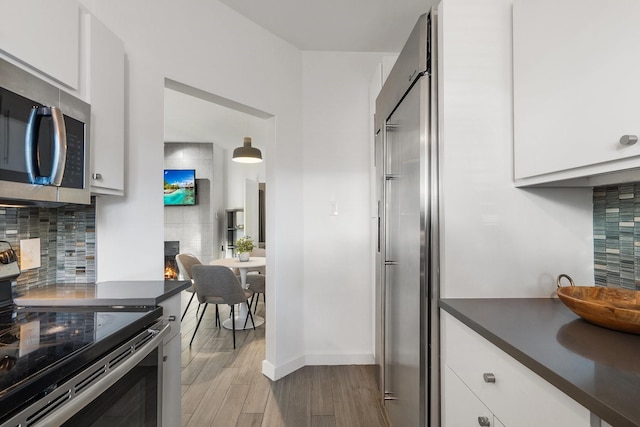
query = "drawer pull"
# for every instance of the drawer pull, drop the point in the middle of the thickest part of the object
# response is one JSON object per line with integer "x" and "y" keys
{"x": 484, "y": 421}
{"x": 489, "y": 377}
{"x": 389, "y": 396}
{"x": 628, "y": 139}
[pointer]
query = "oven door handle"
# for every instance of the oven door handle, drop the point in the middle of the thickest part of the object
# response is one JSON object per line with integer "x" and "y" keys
{"x": 75, "y": 405}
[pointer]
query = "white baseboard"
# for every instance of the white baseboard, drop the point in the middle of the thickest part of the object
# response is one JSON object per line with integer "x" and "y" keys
{"x": 274, "y": 373}
{"x": 339, "y": 359}
{"x": 268, "y": 370}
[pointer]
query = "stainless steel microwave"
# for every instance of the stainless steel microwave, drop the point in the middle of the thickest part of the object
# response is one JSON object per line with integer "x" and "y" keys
{"x": 44, "y": 142}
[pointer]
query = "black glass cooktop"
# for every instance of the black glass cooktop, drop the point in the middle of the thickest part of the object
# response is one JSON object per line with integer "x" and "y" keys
{"x": 41, "y": 347}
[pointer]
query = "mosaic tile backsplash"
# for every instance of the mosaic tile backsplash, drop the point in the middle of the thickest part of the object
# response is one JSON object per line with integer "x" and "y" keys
{"x": 67, "y": 242}
{"x": 68, "y": 239}
{"x": 616, "y": 235}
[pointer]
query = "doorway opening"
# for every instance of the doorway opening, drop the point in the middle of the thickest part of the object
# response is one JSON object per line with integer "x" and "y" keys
{"x": 201, "y": 130}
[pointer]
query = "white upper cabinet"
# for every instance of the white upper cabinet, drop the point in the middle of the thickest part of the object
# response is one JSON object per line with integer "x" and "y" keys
{"x": 105, "y": 93}
{"x": 43, "y": 35}
{"x": 576, "y": 91}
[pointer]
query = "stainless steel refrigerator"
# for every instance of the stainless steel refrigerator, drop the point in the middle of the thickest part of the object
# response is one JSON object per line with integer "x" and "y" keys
{"x": 407, "y": 250}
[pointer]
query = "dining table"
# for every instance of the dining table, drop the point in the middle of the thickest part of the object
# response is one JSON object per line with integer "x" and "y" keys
{"x": 243, "y": 267}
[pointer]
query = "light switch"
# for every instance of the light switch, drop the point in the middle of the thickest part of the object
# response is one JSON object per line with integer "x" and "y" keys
{"x": 29, "y": 254}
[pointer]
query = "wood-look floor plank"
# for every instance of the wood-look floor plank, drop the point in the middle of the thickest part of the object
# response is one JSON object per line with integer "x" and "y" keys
{"x": 185, "y": 419}
{"x": 206, "y": 380}
{"x": 191, "y": 371}
{"x": 231, "y": 406}
{"x": 343, "y": 402}
{"x": 298, "y": 395}
{"x": 321, "y": 391}
{"x": 276, "y": 409}
{"x": 212, "y": 398}
{"x": 249, "y": 420}
{"x": 252, "y": 357}
{"x": 223, "y": 386}
{"x": 256, "y": 401}
{"x": 323, "y": 421}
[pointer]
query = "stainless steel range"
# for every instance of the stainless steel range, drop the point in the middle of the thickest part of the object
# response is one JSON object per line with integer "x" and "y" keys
{"x": 77, "y": 366}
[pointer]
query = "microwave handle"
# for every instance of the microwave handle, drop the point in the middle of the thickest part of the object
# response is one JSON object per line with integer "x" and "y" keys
{"x": 59, "y": 146}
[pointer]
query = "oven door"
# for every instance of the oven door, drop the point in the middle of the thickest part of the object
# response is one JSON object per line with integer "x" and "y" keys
{"x": 123, "y": 387}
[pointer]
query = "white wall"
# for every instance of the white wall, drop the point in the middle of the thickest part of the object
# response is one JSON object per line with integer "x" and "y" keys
{"x": 208, "y": 46}
{"x": 337, "y": 270}
{"x": 497, "y": 241}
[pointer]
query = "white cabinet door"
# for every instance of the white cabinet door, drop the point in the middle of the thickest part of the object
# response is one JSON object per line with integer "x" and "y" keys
{"x": 106, "y": 95}
{"x": 171, "y": 311}
{"x": 172, "y": 368}
{"x": 44, "y": 35}
{"x": 461, "y": 407}
{"x": 171, "y": 383}
{"x": 514, "y": 394}
{"x": 576, "y": 88}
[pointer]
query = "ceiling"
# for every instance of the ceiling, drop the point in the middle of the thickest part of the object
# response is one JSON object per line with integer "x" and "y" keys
{"x": 313, "y": 25}
{"x": 336, "y": 25}
{"x": 192, "y": 118}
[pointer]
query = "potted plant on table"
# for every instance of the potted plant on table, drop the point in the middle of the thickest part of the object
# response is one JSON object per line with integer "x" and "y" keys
{"x": 244, "y": 246}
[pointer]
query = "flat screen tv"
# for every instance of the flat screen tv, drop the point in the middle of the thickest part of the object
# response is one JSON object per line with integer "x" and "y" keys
{"x": 179, "y": 187}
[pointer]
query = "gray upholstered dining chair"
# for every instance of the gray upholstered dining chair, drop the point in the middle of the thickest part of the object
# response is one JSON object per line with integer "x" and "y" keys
{"x": 185, "y": 264}
{"x": 256, "y": 282}
{"x": 215, "y": 284}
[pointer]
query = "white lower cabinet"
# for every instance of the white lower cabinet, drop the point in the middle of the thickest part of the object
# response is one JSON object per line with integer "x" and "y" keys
{"x": 171, "y": 383}
{"x": 478, "y": 374}
{"x": 171, "y": 370}
{"x": 461, "y": 406}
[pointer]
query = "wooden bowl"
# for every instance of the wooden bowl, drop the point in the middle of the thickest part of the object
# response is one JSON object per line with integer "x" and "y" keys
{"x": 613, "y": 308}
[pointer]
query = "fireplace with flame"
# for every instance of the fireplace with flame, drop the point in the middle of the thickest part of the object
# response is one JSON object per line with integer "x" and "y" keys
{"x": 171, "y": 249}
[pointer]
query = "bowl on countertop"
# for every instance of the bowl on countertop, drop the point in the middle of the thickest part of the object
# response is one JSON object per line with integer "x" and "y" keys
{"x": 612, "y": 308}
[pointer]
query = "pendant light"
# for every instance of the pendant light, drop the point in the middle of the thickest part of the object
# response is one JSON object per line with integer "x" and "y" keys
{"x": 247, "y": 153}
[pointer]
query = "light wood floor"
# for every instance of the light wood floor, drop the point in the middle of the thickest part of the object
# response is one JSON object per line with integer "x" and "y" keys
{"x": 225, "y": 387}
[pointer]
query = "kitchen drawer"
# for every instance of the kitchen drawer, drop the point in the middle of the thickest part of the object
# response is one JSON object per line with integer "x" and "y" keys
{"x": 461, "y": 406}
{"x": 171, "y": 310}
{"x": 518, "y": 396}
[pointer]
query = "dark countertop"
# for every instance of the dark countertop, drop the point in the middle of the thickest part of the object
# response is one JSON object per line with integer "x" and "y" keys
{"x": 115, "y": 293}
{"x": 597, "y": 367}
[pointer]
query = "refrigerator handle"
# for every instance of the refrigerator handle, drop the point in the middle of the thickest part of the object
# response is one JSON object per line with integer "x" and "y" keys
{"x": 379, "y": 228}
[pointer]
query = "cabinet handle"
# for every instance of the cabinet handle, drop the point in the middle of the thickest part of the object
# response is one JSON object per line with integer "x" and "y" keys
{"x": 489, "y": 377}
{"x": 96, "y": 176}
{"x": 172, "y": 318}
{"x": 484, "y": 421}
{"x": 628, "y": 139}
